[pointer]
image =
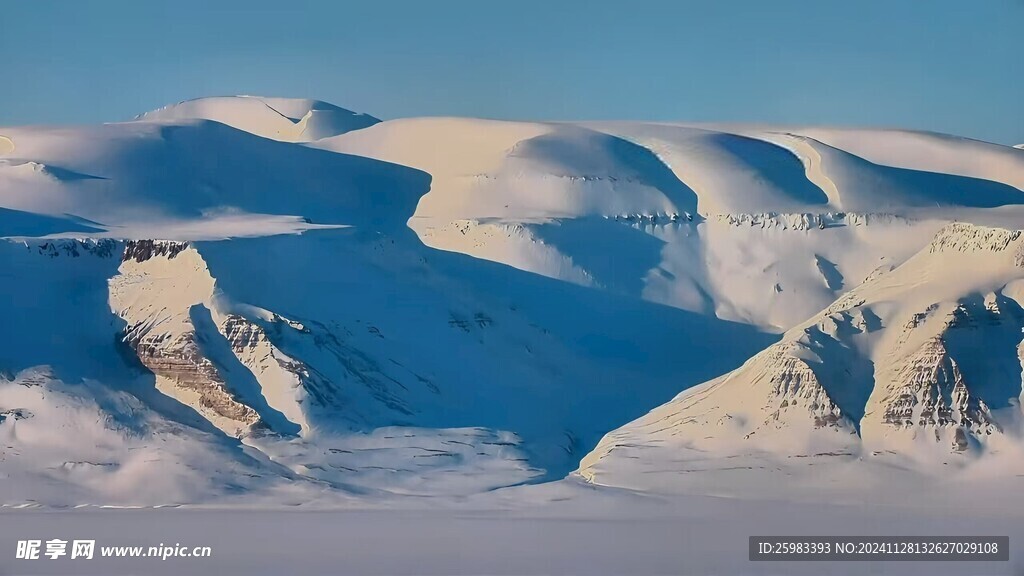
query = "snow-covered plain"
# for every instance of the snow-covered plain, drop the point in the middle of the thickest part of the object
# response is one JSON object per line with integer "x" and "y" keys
{"x": 559, "y": 528}
{"x": 533, "y": 335}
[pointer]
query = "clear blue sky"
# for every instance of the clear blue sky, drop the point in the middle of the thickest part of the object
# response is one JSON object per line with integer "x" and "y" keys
{"x": 947, "y": 65}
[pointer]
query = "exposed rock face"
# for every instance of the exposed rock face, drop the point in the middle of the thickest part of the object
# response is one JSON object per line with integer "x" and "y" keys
{"x": 15, "y": 414}
{"x": 295, "y": 387}
{"x": 663, "y": 218}
{"x": 931, "y": 392}
{"x": 244, "y": 336}
{"x": 961, "y": 237}
{"x": 102, "y": 248}
{"x": 158, "y": 286}
{"x": 808, "y": 220}
{"x": 927, "y": 389}
{"x": 795, "y": 388}
{"x": 238, "y": 369}
{"x": 178, "y": 359}
{"x": 142, "y": 250}
{"x": 283, "y": 379}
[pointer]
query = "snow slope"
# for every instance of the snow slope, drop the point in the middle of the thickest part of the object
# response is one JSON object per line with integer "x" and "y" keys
{"x": 893, "y": 147}
{"x": 685, "y": 216}
{"x": 442, "y": 305}
{"x": 738, "y": 168}
{"x": 197, "y": 179}
{"x": 285, "y": 119}
{"x": 928, "y": 151}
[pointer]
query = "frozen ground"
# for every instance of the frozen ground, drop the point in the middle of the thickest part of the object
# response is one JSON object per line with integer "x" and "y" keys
{"x": 561, "y": 528}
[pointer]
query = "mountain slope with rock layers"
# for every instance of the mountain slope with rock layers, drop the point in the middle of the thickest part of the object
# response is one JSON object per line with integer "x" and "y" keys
{"x": 919, "y": 368}
{"x": 399, "y": 371}
{"x": 281, "y": 300}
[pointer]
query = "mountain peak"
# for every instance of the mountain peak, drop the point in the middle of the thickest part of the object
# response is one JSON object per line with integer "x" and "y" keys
{"x": 285, "y": 119}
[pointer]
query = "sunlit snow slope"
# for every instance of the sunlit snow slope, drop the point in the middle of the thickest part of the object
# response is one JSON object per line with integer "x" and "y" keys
{"x": 918, "y": 369}
{"x": 285, "y": 119}
{"x": 761, "y": 226}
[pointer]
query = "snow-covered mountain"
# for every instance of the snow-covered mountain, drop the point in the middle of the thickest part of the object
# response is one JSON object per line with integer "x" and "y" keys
{"x": 919, "y": 367}
{"x": 283, "y": 298}
{"x": 285, "y": 119}
{"x": 760, "y": 226}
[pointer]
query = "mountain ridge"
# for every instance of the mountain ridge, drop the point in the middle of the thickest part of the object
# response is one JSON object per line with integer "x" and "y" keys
{"x": 285, "y": 119}
{"x": 934, "y": 347}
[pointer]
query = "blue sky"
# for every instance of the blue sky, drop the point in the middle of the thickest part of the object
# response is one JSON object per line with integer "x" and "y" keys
{"x": 951, "y": 66}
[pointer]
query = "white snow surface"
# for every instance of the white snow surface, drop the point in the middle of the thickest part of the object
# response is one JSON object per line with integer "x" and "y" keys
{"x": 557, "y": 528}
{"x": 285, "y": 119}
